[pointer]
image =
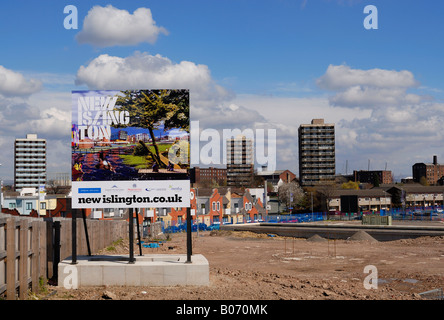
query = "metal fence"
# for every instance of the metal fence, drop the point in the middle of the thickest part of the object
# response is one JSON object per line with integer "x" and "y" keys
{"x": 410, "y": 214}
{"x": 31, "y": 248}
{"x": 174, "y": 227}
{"x": 296, "y": 217}
{"x": 210, "y": 224}
{"x": 435, "y": 213}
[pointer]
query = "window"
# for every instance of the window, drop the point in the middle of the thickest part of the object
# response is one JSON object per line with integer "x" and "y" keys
{"x": 43, "y": 205}
{"x": 12, "y": 206}
{"x": 214, "y": 206}
{"x": 28, "y": 205}
{"x": 218, "y": 206}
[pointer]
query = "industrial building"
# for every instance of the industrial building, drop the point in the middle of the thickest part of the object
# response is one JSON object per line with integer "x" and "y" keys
{"x": 432, "y": 172}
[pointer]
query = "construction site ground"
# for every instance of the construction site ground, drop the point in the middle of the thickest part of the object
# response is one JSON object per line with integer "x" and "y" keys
{"x": 249, "y": 266}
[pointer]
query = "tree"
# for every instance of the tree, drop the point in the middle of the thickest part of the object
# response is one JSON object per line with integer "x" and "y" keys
{"x": 350, "y": 185}
{"x": 54, "y": 187}
{"x": 152, "y": 109}
{"x": 256, "y": 182}
{"x": 141, "y": 149}
{"x": 291, "y": 194}
{"x": 423, "y": 181}
{"x": 375, "y": 180}
{"x": 326, "y": 191}
{"x": 312, "y": 199}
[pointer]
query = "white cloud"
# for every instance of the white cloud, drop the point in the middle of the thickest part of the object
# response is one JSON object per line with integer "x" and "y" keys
{"x": 145, "y": 71}
{"x": 293, "y": 111}
{"x": 109, "y": 26}
{"x": 222, "y": 116}
{"x": 374, "y": 88}
{"x": 359, "y": 96}
{"x": 14, "y": 84}
{"x": 343, "y": 77}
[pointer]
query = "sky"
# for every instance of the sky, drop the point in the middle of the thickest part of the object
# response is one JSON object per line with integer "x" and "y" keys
{"x": 249, "y": 64}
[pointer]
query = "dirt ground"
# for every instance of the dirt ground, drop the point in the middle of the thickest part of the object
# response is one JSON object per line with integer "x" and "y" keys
{"x": 250, "y": 266}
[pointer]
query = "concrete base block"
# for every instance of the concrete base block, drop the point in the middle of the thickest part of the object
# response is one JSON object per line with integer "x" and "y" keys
{"x": 147, "y": 270}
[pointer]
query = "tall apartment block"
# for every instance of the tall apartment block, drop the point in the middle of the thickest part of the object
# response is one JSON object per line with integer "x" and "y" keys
{"x": 29, "y": 162}
{"x": 316, "y": 152}
{"x": 240, "y": 161}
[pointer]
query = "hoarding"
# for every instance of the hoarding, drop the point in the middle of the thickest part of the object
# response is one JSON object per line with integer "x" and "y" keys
{"x": 130, "y": 148}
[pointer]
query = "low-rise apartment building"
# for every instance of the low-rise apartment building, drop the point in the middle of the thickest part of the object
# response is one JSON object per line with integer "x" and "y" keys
{"x": 349, "y": 200}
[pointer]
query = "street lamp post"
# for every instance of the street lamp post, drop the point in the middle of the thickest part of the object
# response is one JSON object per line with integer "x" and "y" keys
{"x": 39, "y": 192}
{"x": 197, "y": 212}
{"x": 311, "y": 195}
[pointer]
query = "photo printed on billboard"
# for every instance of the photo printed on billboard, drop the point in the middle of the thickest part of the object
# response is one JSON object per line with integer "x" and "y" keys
{"x": 128, "y": 143}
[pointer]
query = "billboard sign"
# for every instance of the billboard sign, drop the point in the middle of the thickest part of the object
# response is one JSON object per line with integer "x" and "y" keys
{"x": 130, "y": 149}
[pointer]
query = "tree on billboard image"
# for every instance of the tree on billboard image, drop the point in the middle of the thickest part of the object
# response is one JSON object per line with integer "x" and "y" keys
{"x": 154, "y": 110}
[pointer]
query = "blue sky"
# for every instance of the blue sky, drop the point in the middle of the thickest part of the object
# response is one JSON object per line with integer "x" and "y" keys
{"x": 250, "y": 64}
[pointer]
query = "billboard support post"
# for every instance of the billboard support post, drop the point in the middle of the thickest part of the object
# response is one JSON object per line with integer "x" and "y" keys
{"x": 189, "y": 243}
{"x": 74, "y": 236}
{"x": 138, "y": 234}
{"x": 131, "y": 236}
{"x": 86, "y": 231}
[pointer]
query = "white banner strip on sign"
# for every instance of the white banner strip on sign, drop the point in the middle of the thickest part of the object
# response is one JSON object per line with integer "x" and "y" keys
{"x": 131, "y": 194}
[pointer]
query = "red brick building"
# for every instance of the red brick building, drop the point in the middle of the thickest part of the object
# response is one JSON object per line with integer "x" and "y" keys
{"x": 365, "y": 176}
{"x": 431, "y": 171}
{"x": 252, "y": 208}
{"x": 206, "y": 177}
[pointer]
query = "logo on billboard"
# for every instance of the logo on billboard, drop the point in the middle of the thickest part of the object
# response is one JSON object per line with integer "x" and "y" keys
{"x": 173, "y": 188}
{"x": 114, "y": 188}
{"x": 134, "y": 188}
{"x": 155, "y": 189}
{"x": 90, "y": 190}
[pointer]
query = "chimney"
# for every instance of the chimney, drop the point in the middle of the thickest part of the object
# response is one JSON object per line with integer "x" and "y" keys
{"x": 435, "y": 160}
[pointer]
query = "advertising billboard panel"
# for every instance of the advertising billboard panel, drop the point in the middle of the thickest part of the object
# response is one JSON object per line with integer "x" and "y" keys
{"x": 130, "y": 148}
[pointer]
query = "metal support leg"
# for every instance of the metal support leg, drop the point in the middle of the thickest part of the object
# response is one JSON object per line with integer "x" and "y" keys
{"x": 189, "y": 243}
{"x": 74, "y": 235}
{"x": 131, "y": 236}
{"x": 86, "y": 232}
{"x": 138, "y": 234}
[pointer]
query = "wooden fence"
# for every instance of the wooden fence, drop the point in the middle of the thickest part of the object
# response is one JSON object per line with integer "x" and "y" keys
{"x": 30, "y": 248}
